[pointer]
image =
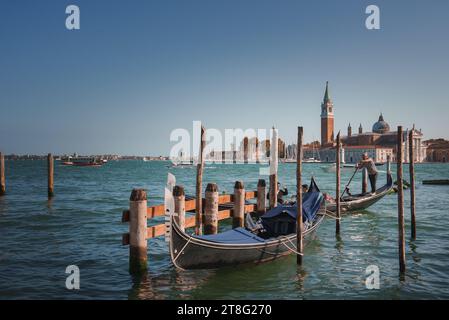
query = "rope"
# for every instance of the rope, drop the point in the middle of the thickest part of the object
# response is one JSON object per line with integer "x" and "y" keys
{"x": 330, "y": 214}
{"x": 292, "y": 250}
{"x": 190, "y": 238}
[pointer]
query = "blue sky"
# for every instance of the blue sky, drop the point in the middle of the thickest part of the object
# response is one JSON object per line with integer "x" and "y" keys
{"x": 136, "y": 70}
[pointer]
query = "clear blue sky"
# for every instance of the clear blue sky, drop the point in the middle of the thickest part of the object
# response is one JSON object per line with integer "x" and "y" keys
{"x": 138, "y": 69}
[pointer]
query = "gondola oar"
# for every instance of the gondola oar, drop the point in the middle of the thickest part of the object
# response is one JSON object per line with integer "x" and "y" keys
{"x": 347, "y": 185}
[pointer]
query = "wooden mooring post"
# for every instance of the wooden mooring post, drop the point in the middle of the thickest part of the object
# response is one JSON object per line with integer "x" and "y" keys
{"x": 238, "y": 214}
{"x": 388, "y": 165}
{"x": 299, "y": 222}
{"x": 337, "y": 184}
{"x": 245, "y": 150}
{"x": 2, "y": 175}
{"x": 50, "y": 167}
{"x": 364, "y": 180}
{"x": 199, "y": 185}
{"x": 211, "y": 209}
{"x": 138, "y": 231}
{"x": 273, "y": 170}
{"x": 261, "y": 197}
{"x": 412, "y": 183}
{"x": 180, "y": 206}
{"x": 401, "y": 231}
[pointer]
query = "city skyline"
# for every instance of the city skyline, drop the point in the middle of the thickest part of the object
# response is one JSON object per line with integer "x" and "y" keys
{"x": 130, "y": 76}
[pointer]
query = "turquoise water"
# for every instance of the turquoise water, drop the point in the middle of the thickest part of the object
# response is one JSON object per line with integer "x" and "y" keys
{"x": 81, "y": 226}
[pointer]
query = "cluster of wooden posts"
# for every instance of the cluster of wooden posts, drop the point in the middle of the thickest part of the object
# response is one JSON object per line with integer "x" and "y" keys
{"x": 207, "y": 220}
{"x": 50, "y": 174}
{"x": 219, "y": 207}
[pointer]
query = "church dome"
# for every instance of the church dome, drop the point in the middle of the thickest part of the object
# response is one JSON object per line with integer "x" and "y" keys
{"x": 381, "y": 126}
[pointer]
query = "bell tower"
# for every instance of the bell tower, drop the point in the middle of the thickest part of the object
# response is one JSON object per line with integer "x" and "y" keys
{"x": 327, "y": 119}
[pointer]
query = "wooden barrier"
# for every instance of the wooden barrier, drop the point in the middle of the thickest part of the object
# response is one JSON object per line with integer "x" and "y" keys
{"x": 189, "y": 207}
{"x": 2, "y": 175}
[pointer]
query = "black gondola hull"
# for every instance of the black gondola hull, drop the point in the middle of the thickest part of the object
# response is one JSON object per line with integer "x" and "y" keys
{"x": 192, "y": 253}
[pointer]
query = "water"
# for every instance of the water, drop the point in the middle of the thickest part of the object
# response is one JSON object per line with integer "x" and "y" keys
{"x": 81, "y": 226}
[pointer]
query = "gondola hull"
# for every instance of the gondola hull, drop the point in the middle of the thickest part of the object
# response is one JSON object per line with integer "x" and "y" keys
{"x": 362, "y": 202}
{"x": 189, "y": 252}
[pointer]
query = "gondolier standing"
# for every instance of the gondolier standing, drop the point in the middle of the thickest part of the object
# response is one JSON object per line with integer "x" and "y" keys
{"x": 369, "y": 164}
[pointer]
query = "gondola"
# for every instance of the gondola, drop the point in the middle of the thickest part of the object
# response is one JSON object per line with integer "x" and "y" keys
{"x": 275, "y": 239}
{"x": 357, "y": 202}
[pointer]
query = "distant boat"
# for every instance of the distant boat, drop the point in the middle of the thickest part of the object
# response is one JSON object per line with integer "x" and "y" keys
{"x": 83, "y": 162}
{"x": 145, "y": 159}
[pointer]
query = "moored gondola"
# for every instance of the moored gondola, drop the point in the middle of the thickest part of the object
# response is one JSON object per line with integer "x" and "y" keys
{"x": 275, "y": 237}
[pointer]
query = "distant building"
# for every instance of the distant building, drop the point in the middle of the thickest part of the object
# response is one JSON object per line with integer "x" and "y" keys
{"x": 437, "y": 150}
{"x": 379, "y": 143}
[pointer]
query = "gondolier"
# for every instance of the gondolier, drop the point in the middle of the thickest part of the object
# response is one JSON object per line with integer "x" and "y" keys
{"x": 370, "y": 165}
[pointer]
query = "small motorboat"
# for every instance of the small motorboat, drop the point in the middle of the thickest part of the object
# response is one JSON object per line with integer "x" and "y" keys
{"x": 274, "y": 236}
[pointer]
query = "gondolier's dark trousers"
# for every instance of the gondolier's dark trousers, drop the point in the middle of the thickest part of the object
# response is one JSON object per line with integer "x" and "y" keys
{"x": 372, "y": 180}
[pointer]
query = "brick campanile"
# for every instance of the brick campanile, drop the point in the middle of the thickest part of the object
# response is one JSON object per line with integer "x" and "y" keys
{"x": 327, "y": 119}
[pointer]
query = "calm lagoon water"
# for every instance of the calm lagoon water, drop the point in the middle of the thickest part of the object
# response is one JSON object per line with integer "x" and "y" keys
{"x": 81, "y": 226}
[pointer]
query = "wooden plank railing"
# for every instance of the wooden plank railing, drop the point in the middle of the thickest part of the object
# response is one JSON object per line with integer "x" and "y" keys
{"x": 224, "y": 199}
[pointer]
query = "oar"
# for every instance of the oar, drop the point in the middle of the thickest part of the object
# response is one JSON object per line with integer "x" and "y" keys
{"x": 356, "y": 169}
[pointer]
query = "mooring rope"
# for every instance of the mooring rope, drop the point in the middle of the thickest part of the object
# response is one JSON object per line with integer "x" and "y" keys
{"x": 291, "y": 249}
{"x": 330, "y": 214}
{"x": 190, "y": 238}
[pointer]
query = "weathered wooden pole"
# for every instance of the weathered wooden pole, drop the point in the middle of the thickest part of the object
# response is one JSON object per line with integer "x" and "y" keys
{"x": 245, "y": 150}
{"x": 238, "y": 214}
{"x": 138, "y": 255}
{"x": 388, "y": 165}
{"x": 199, "y": 185}
{"x": 412, "y": 183}
{"x": 364, "y": 180}
{"x": 261, "y": 199}
{"x": 299, "y": 222}
{"x": 257, "y": 150}
{"x": 401, "y": 230}
{"x": 2, "y": 175}
{"x": 223, "y": 157}
{"x": 211, "y": 209}
{"x": 50, "y": 167}
{"x": 180, "y": 206}
{"x": 337, "y": 184}
{"x": 273, "y": 169}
